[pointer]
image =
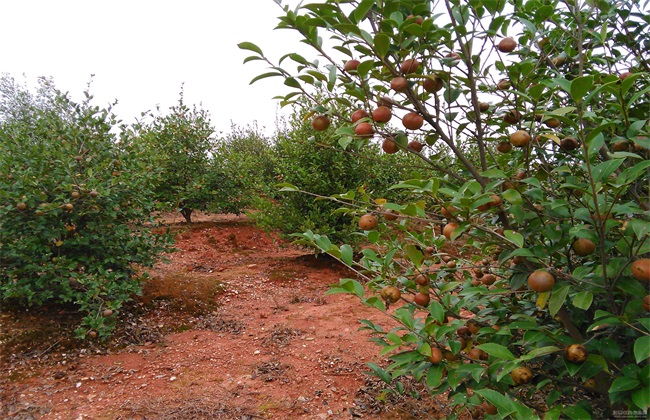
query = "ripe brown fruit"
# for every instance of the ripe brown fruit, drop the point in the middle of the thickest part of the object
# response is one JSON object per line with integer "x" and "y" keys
{"x": 415, "y": 146}
{"x": 503, "y": 84}
{"x": 512, "y": 117}
{"x": 583, "y": 247}
{"x": 92, "y": 334}
{"x": 418, "y": 19}
{"x": 320, "y": 123}
{"x": 448, "y": 212}
{"x": 490, "y": 409}
{"x": 21, "y": 206}
{"x": 620, "y": 146}
{"x": 483, "y": 106}
{"x": 78, "y": 158}
{"x": 646, "y": 303}
{"x": 93, "y": 194}
{"x": 520, "y": 138}
{"x": 504, "y": 147}
{"x": 488, "y": 279}
{"x": 413, "y": 121}
{"x": 463, "y": 332}
{"x": 451, "y": 264}
{"x": 390, "y": 294}
{"x": 359, "y": 114}
{"x": 641, "y": 269}
{"x": 624, "y": 75}
{"x": 389, "y": 146}
{"x": 367, "y": 222}
{"x": 455, "y": 57}
{"x": 496, "y": 200}
{"x": 68, "y": 207}
{"x": 386, "y": 101}
{"x": 421, "y": 279}
{"x": 391, "y": 215}
{"x": 521, "y": 175}
{"x": 507, "y": 45}
{"x": 448, "y": 230}
{"x": 473, "y": 327}
{"x": 399, "y": 84}
{"x": 75, "y": 194}
{"x": 364, "y": 129}
{"x": 521, "y": 375}
{"x": 382, "y": 114}
{"x": 553, "y": 123}
{"x": 410, "y": 65}
{"x": 351, "y": 65}
{"x": 576, "y": 353}
{"x": 541, "y": 281}
{"x": 436, "y": 355}
{"x": 107, "y": 312}
{"x": 422, "y": 299}
{"x": 477, "y": 354}
{"x": 432, "y": 84}
{"x": 569, "y": 143}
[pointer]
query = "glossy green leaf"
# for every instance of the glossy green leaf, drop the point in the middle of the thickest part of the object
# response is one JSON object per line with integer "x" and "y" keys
{"x": 497, "y": 350}
{"x": 580, "y": 86}
{"x": 558, "y": 297}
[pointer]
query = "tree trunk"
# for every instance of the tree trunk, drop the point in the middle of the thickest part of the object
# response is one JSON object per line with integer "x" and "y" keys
{"x": 187, "y": 214}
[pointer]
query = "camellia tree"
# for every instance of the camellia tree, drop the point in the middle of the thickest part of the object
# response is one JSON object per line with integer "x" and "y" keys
{"x": 181, "y": 142}
{"x": 75, "y": 207}
{"x": 537, "y": 113}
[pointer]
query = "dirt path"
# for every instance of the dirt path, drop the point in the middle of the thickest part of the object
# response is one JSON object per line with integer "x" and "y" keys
{"x": 236, "y": 326}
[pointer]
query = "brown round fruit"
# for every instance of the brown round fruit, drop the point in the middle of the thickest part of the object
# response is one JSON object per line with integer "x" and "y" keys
{"x": 454, "y": 57}
{"x": 390, "y": 215}
{"x": 21, "y": 206}
{"x": 483, "y": 106}
{"x": 351, "y": 65}
{"x": 68, "y": 207}
{"x": 504, "y": 147}
{"x": 390, "y": 146}
{"x": 503, "y": 84}
{"x": 410, "y": 65}
{"x": 448, "y": 212}
{"x": 541, "y": 281}
{"x": 507, "y": 45}
{"x": 359, "y": 114}
{"x": 576, "y": 353}
{"x": 473, "y": 327}
{"x": 413, "y": 121}
{"x": 464, "y": 332}
{"x": 436, "y": 355}
{"x": 75, "y": 194}
{"x": 448, "y": 230}
{"x": 624, "y": 75}
{"x": 320, "y": 123}
{"x": 364, "y": 129}
{"x": 367, "y": 222}
{"x": 569, "y": 143}
{"x": 432, "y": 84}
{"x": 488, "y": 279}
{"x": 422, "y": 299}
{"x": 93, "y": 194}
{"x": 519, "y": 138}
{"x": 552, "y": 123}
{"x": 620, "y": 146}
{"x": 583, "y": 247}
{"x": 382, "y": 114}
{"x": 496, "y": 200}
{"x": 512, "y": 117}
{"x": 477, "y": 354}
{"x": 107, "y": 312}
{"x": 399, "y": 84}
{"x": 390, "y": 294}
{"x": 646, "y": 303}
{"x": 490, "y": 409}
{"x": 421, "y": 279}
{"x": 521, "y": 375}
{"x": 92, "y": 334}
{"x": 591, "y": 384}
{"x": 415, "y": 146}
{"x": 641, "y": 269}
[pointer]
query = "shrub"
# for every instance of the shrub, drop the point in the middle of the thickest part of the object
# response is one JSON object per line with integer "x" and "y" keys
{"x": 75, "y": 201}
{"x": 572, "y": 339}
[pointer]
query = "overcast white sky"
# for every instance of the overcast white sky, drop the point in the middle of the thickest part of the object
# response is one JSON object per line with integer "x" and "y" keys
{"x": 141, "y": 51}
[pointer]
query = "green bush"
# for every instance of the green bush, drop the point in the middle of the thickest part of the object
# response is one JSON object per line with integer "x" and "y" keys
{"x": 543, "y": 196}
{"x": 75, "y": 201}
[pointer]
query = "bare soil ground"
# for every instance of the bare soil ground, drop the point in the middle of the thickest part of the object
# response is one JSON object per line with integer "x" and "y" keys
{"x": 236, "y": 326}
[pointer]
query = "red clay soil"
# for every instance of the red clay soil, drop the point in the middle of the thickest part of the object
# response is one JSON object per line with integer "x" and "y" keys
{"x": 236, "y": 326}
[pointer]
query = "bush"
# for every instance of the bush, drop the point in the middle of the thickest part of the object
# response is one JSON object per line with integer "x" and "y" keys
{"x": 543, "y": 309}
{"x": 75, "y": 201}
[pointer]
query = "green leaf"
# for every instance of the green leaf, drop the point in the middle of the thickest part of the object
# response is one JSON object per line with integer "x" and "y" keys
{"x": 558, "y": 298}
{"x": 250, "y": 47}
{"x": 285, "y": 186}
{"x": 541, "y": 351}
{"x": 502, "y": 402}
{"x": 379, "y": 372}
{"x": 382, "y": 44}
{"x": 497, "y": 350}
{"x": 514, "y": 237}
{"x": 414, "y": 254}
{"x": 641, "y": 397}
{"x": 437, "y": 311}
{"x": 346, "y": 254}
{"x": 264, "y": 76}
{"x": 576, "y": 412}
{"x": 362, "y": 10}
{"x": 323, "y": 243}
{"x": 583, "y": 300}
{"x": 624, "y": 383}
{"x": 512, "y": 196}
{"x": 580, "y": 86}
{"x": 642, "y": 348}
{"x": 434, "y": 376}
